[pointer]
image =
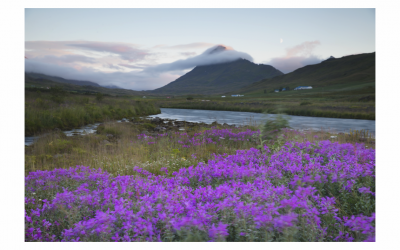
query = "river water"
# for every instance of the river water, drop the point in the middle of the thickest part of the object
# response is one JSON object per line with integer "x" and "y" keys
{"x": 334, "y": 125}
{"x": 87, "y": 129}
{"x": 242, "y": 118}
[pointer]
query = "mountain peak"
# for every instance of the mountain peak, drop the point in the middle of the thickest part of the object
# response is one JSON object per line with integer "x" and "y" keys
{"x": 218, "y": 49}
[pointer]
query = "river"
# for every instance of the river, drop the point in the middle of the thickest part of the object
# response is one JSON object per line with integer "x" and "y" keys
{"x": 242, "y": 118}
{"x": 334, "y": 125}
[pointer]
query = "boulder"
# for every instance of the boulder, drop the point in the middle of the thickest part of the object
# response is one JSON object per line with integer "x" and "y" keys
{"x": 156, "y": 120}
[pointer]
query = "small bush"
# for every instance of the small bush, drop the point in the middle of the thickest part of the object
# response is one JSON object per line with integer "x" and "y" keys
{"x": 275, "y": 125}
{"x": 305, "y": 103}
{"x": 99, "y": 97}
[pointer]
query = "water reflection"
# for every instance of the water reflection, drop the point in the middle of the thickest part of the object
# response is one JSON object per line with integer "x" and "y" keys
{"x": 87, "y": 129}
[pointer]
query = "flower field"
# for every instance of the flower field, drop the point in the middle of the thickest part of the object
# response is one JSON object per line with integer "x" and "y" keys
{"x": 292, "y": 191}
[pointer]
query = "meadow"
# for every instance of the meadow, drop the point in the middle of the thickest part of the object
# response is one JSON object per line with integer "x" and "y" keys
{"x": 207, "y": 183}
{"x": 350, "y": 100}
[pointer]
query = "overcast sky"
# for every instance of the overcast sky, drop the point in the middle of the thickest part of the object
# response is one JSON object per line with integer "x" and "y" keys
{"x": 144, "y": 49}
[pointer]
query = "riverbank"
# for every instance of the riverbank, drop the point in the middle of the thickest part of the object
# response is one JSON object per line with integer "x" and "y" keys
{"x": 301, "y": 108}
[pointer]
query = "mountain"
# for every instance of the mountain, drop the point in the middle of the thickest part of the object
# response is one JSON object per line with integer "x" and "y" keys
{"x": 218, "y": 78}
{"x": 348, "y": 69}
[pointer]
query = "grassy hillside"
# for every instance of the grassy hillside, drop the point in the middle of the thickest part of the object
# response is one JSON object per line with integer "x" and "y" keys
{"x": 346, "y": 70}
{"x": 218, "y": 78}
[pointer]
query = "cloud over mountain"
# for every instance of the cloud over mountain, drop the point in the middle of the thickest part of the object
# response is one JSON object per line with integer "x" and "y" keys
{"x": 214, "y": 55}
{"x": 296, "y": 57}
{"x": 129, "y": 80}
{"x": 125, "y": 51}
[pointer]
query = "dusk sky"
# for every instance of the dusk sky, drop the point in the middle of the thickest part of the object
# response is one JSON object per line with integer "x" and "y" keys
{"x": 143, "y": 49}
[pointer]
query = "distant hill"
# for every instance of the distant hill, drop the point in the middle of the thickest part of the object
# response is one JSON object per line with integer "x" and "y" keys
{"x": 33, "y": 83}
{"x": 349, "y": 69}
{"x": 38, "y": 76}
{"x": 218, "y": 78}
{"x": 112, "y": 87}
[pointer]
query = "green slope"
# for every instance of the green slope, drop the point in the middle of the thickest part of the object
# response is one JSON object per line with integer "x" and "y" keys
{"x": 349, "y": 69}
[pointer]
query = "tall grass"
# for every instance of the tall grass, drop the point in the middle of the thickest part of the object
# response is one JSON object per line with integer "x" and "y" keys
{"x": 45, "y": 111}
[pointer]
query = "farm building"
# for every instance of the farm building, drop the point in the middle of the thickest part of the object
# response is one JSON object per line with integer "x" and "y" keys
{"x": 276, "y": 90}
{"x": 223, "y": 96}
{"x": 302, "y": 87}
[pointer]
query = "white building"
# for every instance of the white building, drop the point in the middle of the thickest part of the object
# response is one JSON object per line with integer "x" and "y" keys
{"x": 302, "y": 87}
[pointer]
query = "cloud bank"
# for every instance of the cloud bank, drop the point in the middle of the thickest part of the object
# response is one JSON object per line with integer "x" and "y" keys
{"x": 296, "y": 57}
{"x": 187, "y": 46}
{"x": 125, "y": 65}
{"x": 128, "y": 80}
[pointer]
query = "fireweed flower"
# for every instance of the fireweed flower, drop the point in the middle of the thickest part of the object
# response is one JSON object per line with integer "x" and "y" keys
{"x": 365, "y": 190}
{"x": 251, "y": 193}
